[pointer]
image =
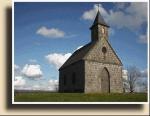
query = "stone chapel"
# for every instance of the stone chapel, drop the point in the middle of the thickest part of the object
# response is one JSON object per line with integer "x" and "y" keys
{"x": 94, "y": 68}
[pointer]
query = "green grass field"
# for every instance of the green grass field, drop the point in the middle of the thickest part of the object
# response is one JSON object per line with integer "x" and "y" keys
{"x": 79, "y": 97}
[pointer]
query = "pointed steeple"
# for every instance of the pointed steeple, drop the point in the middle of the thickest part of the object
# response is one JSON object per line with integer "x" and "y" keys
{"x": 99, "y": 28}
{"x": 99, "y": 20}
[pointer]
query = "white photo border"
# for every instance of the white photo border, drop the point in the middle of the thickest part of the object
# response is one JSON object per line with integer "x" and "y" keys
{"x": 13, "y": 1}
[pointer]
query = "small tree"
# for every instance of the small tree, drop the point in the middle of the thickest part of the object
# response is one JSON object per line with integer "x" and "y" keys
{"x": 133, "y": 74}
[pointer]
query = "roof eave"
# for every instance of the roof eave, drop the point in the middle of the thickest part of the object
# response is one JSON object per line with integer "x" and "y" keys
{"x": 99, "y": 24}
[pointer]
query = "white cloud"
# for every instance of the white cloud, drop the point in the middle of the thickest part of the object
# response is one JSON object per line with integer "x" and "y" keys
{"x": 90, "y": 14}
{"x": 132, "y": 17}
{"x": 36, "y": 87}
{"x": 53, "y": 81}
{"x": 125, "y": 74}
{"x": 50, "y": 33}
{"x": 135, "y": 11}
{"x": 143, "y": 73}
{"x": 57, "y": 59}
{"x": 53, "y": 85}
{"x": 138, "y": 9}
{"x": 16, "y": 70}
{"x": 19, "y": 81}
{"x": 118, "y": 19}
{"x": 142, "y": 39}
{"x": 16, "y": 67}
{"x": 32, "y": 71}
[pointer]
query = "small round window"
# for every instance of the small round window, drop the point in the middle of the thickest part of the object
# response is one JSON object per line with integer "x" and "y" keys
{"x": 104, "y": 50}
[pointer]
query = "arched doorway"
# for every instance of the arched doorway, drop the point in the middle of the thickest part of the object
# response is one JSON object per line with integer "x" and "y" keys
{"x": 105, "y": 81}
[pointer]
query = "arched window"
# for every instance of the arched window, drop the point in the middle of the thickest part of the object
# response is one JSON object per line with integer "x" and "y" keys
{"x": 73, "y": 78}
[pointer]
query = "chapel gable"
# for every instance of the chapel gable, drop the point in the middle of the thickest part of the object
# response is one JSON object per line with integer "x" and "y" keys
{"x": 103, "y": 52}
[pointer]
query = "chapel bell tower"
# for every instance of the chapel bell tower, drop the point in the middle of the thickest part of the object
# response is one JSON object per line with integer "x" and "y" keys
{"x": 99, "y": 28}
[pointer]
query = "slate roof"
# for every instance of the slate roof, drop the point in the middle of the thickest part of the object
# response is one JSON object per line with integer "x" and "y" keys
{"x": 99, "y": 20}
{"x": 78, "y": 54}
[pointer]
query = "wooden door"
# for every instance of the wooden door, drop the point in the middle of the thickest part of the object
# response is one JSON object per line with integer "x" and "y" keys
{"x": 105, "y": 81}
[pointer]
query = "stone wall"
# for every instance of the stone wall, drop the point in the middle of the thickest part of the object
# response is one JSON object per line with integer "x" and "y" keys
{"x": 96, "y": 32}
{"x": 93, "y": 77}
{"x": 77, "y": 69}
{"x": 96, "y": 53}
{"x": 88, "y": 71}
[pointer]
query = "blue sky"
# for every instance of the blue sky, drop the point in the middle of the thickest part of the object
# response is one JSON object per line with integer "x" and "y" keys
{"x": 46, "y": 34}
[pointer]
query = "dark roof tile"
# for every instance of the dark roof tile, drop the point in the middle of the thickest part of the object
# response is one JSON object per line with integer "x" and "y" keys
{"x": 99, "y": 20}
{"x": 78, "y": 54}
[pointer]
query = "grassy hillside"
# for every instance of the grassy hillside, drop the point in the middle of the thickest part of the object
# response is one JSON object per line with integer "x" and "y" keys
{"x": 79, "y": 97}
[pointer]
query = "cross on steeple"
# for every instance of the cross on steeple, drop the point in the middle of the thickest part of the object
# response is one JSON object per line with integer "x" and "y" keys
{"x": 98, "y": 6}
{"x": 99, "y": 19}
